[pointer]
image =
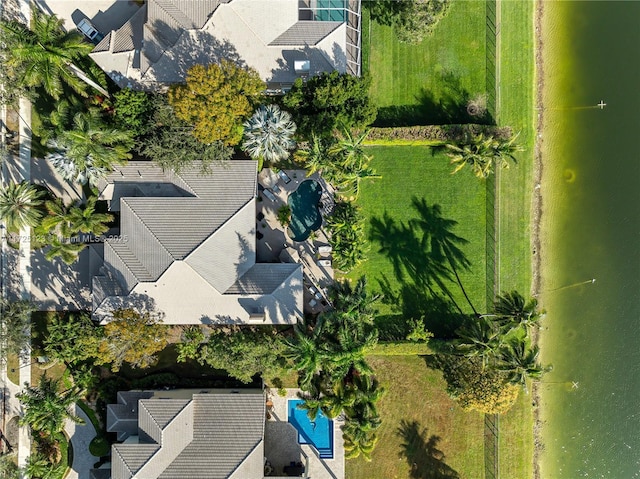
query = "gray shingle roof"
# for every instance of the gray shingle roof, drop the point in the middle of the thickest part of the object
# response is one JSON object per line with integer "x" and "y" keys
{"x": 209, "y": 437}
{"x": 159, "y": 230}
{"x": 305, "y": 33}
{"x": 129, "y": 36}
{"x": 262, "y": 278}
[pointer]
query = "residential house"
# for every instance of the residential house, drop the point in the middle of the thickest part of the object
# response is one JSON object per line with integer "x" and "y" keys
{"x": 281, "y": 39}
{"x": 187, "y": 249}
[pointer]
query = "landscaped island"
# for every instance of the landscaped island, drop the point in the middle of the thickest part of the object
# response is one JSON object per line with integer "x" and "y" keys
{"x": 321, "y": 207}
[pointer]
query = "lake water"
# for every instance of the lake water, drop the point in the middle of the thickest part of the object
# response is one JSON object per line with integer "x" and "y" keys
{"x": 591, "y": 227}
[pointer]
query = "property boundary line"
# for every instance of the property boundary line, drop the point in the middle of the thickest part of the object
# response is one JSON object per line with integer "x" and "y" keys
{"x": 493, "y": 19}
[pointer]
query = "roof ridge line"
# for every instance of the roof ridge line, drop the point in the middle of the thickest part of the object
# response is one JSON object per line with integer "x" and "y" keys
{"x": 126, "y": 265}
{"x": 124, "y": 200}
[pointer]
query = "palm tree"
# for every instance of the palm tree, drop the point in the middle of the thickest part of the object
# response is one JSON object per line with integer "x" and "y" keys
{"x": 58, "y": 218}
{"x": 367, "y": 393}
{"x": 520, "y": 362}
{"x": 66, "y": 250}
{"x": 90, "y": 149}
{"x": 349, "y": 150}
{"x": 44, "y": 54}
{"x": 512, "y": 310}
{"x": 360, "y": 436}
{"x": 307, "y": 356}
{"x": 19, "y": 204}
{"x": 15, "y": 335}
{"x": 46, "y": 408}
{"x": 269, "y": 134}
{"x": 40, "y": 467}
{"x": 86, "y": 220}
{"x": 348, "y": 298}
{"x": 315, "y": 155}
{"x": 482, "y": 153}
{"x": 479, "y": 339}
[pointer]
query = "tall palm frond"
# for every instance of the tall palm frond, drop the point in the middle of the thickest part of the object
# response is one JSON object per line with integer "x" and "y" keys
{"x": 269, "y": 134}
{"x": 19, "y": 204}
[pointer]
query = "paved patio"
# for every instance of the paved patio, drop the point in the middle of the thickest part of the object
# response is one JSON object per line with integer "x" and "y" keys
{"x": 274, "y": 244}
{"x": 282, "y": 447}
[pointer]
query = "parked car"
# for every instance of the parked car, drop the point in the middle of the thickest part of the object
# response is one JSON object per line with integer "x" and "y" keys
{"x": 88, "y": 30}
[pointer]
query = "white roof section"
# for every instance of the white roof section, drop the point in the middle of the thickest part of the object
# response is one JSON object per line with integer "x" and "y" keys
{"x": 177, "y": 34}
{"x": 192, "y": 259}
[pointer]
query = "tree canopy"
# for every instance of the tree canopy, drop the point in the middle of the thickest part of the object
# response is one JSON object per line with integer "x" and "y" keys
{"x": 131, "y": 337}
{"x": 15, "y": 334}
{"x": 43, "y": 54}
{"x": 171, "y": 144}
{"x": 328, "y": 101}
{"x": 216, "y": 100}
{"x": 412, "y": 19}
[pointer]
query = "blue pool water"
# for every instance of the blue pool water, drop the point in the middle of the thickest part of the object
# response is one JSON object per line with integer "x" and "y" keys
{"x": 318, "y": 433}
{"x": 305, "y": 215}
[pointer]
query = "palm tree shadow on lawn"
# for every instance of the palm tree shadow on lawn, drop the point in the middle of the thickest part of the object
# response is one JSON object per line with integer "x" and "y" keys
{"x": 426, "y": 257}
{"x": 425, "y": 460}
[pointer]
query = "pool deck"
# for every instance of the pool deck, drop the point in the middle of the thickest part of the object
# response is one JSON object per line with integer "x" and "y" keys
{"x": 276, "y": 246}
{"x": 282, "y": 447}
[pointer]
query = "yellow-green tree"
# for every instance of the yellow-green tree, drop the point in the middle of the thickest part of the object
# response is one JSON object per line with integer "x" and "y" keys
{"x": 131, "y": 337}
{"x": 217, "y": 99}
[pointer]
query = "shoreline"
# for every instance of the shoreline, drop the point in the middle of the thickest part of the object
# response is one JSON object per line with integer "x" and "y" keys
{"x": 538, "y": 445}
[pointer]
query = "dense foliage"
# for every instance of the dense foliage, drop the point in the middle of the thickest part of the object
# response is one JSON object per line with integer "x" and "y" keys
{"x": 89, "y": 149}
{"x": 347, "y": 235}
{"x": 412, "y": 20}
{"x": 131, "y": 337}
{"x": 46, "y": 407}
{"x": 330, "y": 357}
{"x": 14, "y": 327}
{"x": 241, "y": 351}
{"x": 483, "y": 154}
{"x": 171, "y": 144}
{"x": 328, "y": 101}
{"x": 132, "y": 111}
{"x": 216, "y": 100}
{"x": 42, "y": 55}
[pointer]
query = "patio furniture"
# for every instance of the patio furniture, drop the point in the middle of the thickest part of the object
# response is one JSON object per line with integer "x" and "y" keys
{"x": 259, "y": 235}
{"x": 269, "y": 194}
{"x": 324, "y": 262}
{"x": 260, "y": 216}
{"x": 324, "y": 249}
{"x": 284, "y": 177}
{"x": 276, "y": 188}
{"x": 312, "y": 303}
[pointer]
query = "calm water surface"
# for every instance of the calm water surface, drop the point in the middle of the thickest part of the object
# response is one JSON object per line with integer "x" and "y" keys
{"x": 591, "y": 228}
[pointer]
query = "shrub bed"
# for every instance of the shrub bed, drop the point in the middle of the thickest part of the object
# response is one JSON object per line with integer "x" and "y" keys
{"x": 432, "y": 135}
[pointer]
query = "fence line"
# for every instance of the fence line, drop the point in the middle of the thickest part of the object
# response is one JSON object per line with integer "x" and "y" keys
{"x": 491, "y": 421}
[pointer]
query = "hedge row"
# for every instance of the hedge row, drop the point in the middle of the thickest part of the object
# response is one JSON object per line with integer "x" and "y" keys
{"x": 432, "y": 134}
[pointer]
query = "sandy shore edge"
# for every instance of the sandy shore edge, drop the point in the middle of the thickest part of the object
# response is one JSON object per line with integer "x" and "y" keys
{"x": 538, "y": 445}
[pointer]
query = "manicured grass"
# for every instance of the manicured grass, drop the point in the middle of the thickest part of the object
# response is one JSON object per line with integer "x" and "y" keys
{"x": 417, "y": 411}
{"x": 516, "y": 108}
{"x": 430, "y": 82}
{"x": 423, "y": 173}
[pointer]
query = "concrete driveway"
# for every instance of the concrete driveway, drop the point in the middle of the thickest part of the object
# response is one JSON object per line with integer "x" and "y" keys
{"x": 81, "y": 436}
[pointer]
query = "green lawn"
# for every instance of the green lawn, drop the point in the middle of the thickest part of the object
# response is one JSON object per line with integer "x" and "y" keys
{"x": 416, "y": 411}
{"x": 421, "y": 173}
{"x": 429, "y": 83}
{"x": 516, "y": 108}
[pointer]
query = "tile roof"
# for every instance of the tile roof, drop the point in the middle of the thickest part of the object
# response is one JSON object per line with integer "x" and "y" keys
{"x": 209, "y": 436}
{"x": 197, "y": 230}
{"x": 305, "y": 33}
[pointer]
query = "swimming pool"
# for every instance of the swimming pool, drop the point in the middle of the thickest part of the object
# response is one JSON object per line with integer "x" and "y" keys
{"x": 305, "y": 215}
{"x": 318, "y": 433}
